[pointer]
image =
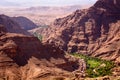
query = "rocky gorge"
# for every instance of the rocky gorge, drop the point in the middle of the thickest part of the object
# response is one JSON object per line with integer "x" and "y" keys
{"x": 26, "y": 58}
{"x": 94, "y": 31}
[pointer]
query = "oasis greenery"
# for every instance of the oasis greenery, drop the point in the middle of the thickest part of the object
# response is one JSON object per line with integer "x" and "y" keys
{"x": 96, "y": 67}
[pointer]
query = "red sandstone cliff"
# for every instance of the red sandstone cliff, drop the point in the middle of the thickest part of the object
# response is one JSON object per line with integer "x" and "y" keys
{"x": 26, "y": 58}
{"x": 94, "y": 31}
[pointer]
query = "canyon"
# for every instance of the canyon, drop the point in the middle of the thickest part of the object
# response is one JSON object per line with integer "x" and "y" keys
{"x": 93, "y": 32}
{"x": 24, "y": 57}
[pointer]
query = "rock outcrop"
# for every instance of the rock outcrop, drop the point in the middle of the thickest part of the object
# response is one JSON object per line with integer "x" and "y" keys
{"x": 25, "y": 23}
{"x": 94, "y": 31}
{"x": 26, "y": 58}
{"x": 11, "y": 25}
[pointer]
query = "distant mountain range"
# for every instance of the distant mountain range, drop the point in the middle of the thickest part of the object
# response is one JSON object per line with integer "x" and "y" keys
{"x": 41, "y": 15}
{"x": 51, "y": 10}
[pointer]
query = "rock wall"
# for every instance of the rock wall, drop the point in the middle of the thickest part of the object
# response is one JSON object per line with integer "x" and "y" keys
{"x": 94, "y": 31}
{"x": 26, "y": 58}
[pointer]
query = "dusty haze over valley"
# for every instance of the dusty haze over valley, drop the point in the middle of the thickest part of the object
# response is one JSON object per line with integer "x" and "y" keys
{"x": 41, "y": 15}
{"x": 60, "y": 40}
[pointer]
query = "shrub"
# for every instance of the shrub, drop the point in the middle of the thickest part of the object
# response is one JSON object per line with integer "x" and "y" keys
{"x": 96, "y": 67}
{"x": 38, "y": 36}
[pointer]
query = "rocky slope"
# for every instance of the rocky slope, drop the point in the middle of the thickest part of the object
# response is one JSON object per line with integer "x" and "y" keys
{"x": 26, "y": 58}
{"x": 11, "y": 25}
{"x": 25, "y": 23}
{"x": 94, "y": 31}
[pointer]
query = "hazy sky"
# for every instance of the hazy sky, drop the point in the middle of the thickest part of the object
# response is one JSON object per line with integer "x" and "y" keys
{"x": 28, "y": 3}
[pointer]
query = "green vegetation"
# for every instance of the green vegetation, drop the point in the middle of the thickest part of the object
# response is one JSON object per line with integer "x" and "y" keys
{"x": 43, "y": 26}
{"x": 38, "y": 36}
{"x": 96, "y": 67}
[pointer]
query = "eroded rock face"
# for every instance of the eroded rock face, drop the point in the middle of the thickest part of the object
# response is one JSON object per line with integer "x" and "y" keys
{"x": 25, "y": 23}
{"x": 94, "y": 31}
{"x": 11, "y": 25}
{"x": 2, "y": 29}
{"x": 111, "y": 6}
{"x": 26, "y": 58}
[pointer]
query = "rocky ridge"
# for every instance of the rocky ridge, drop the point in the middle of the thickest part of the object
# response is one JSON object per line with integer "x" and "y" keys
{"x": 11, "y": 25}
{"x": 26, "y": 58}
{"x": 25, "y": 23}
{"x": 94, "y": 31}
